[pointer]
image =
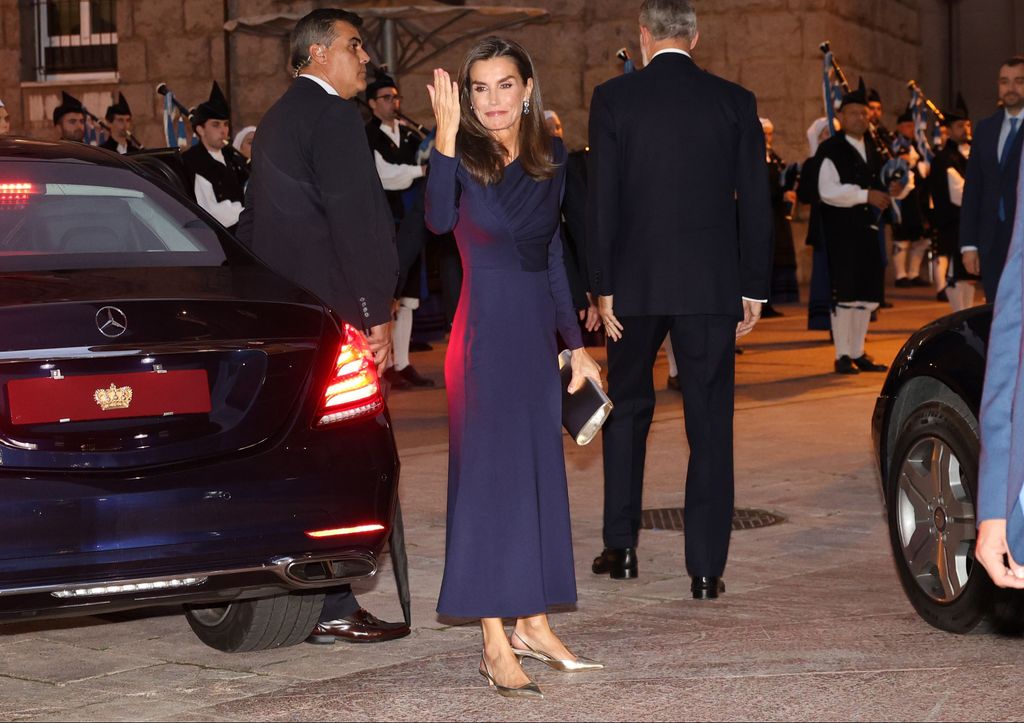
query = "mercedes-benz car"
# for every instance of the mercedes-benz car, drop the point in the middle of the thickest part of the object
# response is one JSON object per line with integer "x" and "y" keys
{"x": 178, "y": 424}
{"x": 925, "y": 428}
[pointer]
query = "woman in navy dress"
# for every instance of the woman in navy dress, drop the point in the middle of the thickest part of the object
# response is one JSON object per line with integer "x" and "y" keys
{"x": 496, "y": 180}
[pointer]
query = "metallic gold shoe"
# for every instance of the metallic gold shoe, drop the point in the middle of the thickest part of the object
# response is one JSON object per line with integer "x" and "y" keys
{"x": 530, "y": 690}
{"x": 565, "y": 666}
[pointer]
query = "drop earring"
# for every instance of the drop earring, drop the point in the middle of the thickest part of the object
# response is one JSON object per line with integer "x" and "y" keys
{"x": 526, "y": 107}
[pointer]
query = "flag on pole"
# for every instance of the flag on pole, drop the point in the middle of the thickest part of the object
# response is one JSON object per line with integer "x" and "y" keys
{"x": 832, "y": 93}
{"x": 922, "y": 115}
{"x": 174, "y": 124}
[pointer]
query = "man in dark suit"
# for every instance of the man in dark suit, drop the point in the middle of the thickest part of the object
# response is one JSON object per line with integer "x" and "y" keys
{"x": 679, "y": 241}
{"x": 316, "y": 213}
{"x": 987, "y": 213}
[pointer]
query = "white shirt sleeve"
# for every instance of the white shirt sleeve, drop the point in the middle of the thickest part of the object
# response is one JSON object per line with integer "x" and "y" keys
{"x": 834, "y": 192}
{"x": 956, "y": 187}
{"x": 226, "y": 212}
{"x": 394, "y": 176}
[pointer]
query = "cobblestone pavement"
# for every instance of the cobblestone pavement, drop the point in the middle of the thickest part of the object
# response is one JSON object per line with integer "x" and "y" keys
{"x": 813, "y": 626}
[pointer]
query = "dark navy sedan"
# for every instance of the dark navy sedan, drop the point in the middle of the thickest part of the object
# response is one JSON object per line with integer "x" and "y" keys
{"x": 178, "y": 424}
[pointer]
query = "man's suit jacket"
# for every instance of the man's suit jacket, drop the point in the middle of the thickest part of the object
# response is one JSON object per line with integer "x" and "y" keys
{"x": 315, "y": 209}
{"x": 679, "y": 210}
{"x": 1002, "y": 407}
{"x": 985, "y": 185}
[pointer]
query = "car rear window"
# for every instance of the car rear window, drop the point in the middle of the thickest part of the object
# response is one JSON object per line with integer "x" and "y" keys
{"x": 65, "y": 215}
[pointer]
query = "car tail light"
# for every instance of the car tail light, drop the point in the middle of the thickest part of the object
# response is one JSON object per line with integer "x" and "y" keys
{"x": 353, "y": 390}
{"x": 15, "y": 195}
{"x": 341, "y": 531}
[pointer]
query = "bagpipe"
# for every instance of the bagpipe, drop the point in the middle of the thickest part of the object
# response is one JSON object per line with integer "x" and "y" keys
{"x": 921, "y": 106}
{"x": 133, "y": 142}
{"x": 894, "y": 170}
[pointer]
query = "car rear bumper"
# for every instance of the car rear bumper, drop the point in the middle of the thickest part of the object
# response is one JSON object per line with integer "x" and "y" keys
{"x": 241, "y": 524}
{"x": 303, "y": 571}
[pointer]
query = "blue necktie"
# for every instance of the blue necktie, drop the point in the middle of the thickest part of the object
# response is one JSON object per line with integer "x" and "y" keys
{"x": 1010, "y": 138}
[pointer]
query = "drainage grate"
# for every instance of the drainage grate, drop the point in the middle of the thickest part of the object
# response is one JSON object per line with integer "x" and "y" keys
{"x": 671, "y": 518}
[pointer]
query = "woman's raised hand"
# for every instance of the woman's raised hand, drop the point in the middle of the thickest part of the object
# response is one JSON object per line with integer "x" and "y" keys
{"x": 444, "y": 97}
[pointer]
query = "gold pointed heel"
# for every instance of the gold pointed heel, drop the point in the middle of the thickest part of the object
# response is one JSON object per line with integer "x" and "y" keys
{"x": 530, "y": 690}
{"x": 579, "y": 665}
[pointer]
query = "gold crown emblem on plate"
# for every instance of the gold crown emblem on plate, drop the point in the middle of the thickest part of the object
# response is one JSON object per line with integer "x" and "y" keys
{"x": 114, "y": 397}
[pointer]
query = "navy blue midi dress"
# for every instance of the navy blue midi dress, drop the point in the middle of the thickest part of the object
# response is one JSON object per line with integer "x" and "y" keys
{"x": 508, "y": 549}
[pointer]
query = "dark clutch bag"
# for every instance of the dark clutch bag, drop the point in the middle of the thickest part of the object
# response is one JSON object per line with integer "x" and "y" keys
{"x": 584, "y": 412}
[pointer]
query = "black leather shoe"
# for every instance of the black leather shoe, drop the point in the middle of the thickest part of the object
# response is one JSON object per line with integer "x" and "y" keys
{"x": 359, "y": 627}
{"x": 867, "y": 364}
{"x": 395, "y": 380}
{"x": 903, "y": 283}
{"x": 673, "y": 383}
{"x": 844, "y": 365}
{"x": 620, "y": 564}
{"x": 920, "y": 283}
{"x": 706, "y": 588}
{"x": 414, "y": 378}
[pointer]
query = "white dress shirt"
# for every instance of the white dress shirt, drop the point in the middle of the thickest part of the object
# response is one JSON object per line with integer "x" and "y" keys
{"x": 226, "y": 212}
{"x": 395, "y": 176}
{"x": 847, "y": 195}
{"x": 322, "y": 83}
{"x": 955, "y": 182}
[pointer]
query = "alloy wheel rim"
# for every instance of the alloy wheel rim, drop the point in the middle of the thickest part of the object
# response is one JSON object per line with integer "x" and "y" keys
{"x": 935, "y": 520}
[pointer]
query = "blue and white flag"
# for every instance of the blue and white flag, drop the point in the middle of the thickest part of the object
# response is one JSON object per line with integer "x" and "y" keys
{"x": 174, "y": 124}
{"x": 922, "y": 115}
{"x": 832, "y": 93}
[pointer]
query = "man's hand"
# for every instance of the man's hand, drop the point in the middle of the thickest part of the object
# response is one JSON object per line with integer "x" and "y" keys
{"x": 590, "y": 316}
{"x": 380, "y": 345}
{"x": 879, "y": 199}
{"x": 612, "y": 326}
{"x": 972, "y": 262}
{"x": 989, "y": 551}
{"x": 751, "y": 314}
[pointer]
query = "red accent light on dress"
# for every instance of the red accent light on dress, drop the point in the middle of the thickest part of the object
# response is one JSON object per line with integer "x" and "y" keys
{"x": 340, "y": 531}
{"x": 353, "y": 390}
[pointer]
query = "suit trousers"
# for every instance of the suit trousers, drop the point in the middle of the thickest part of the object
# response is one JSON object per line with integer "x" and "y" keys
{"x": 704, "y": 347}
{"x": 339, "y": 603}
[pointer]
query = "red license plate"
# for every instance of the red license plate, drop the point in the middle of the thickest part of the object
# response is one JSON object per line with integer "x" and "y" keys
{"x": 108, "y": 396}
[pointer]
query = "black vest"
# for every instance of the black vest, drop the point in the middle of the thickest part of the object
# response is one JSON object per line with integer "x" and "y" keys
{"x": 946, "y": 215}
{"x": 853, "y": 170}
{"x": 228, "y": 181}
{"x": 399, "y": 155}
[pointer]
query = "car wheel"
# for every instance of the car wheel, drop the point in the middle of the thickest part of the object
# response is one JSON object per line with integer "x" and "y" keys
{"x": 931, "y": 495}
{"x": 245, "y": 625}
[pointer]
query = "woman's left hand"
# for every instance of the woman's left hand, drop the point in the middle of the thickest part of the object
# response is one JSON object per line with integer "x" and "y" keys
{"x": 583, "y": 366}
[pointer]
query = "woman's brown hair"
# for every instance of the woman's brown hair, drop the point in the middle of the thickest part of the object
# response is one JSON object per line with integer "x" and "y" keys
{"x": 482, "y": 155}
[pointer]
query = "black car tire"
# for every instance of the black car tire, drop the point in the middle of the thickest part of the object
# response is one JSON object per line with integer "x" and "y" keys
{"x": 246, "y": 625}
{"x": 935, "y": 420}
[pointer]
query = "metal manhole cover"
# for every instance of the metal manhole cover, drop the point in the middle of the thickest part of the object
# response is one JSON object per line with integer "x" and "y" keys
{"x": 744, "y": 518}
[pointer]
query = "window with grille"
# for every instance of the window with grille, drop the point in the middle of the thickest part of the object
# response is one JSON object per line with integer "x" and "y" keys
{"x": 75, "y": 38}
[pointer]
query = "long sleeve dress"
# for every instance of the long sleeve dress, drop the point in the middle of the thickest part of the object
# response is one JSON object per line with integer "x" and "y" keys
{"x": 508, "y": 548}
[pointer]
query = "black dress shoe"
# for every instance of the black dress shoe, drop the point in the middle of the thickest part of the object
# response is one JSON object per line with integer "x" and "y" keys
{"x": 941, "y": 296}
{"x": 706, "y": 588}
{"x": 844, "y": 365}
{"x": 395, "y": 380}
{"x": 414, "y": 378}
{"x": 620, "y": 564}
{"x": 919, "y": 282}
{"x": 770, "y": 312}
{"x": 359, "y": 627}
{"x": 867, "y": 364}
{"x": 903, "y": 283}
{"x": 885, "y": 305}
{"x": 673, "y": 383}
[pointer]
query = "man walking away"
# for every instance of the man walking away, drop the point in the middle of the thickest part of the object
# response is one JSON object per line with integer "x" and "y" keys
{"x": 679, "y": 241}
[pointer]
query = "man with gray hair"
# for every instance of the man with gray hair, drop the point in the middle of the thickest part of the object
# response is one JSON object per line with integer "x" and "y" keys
{"x": 316, "y": 213}
{"x": 679, "y": 241}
